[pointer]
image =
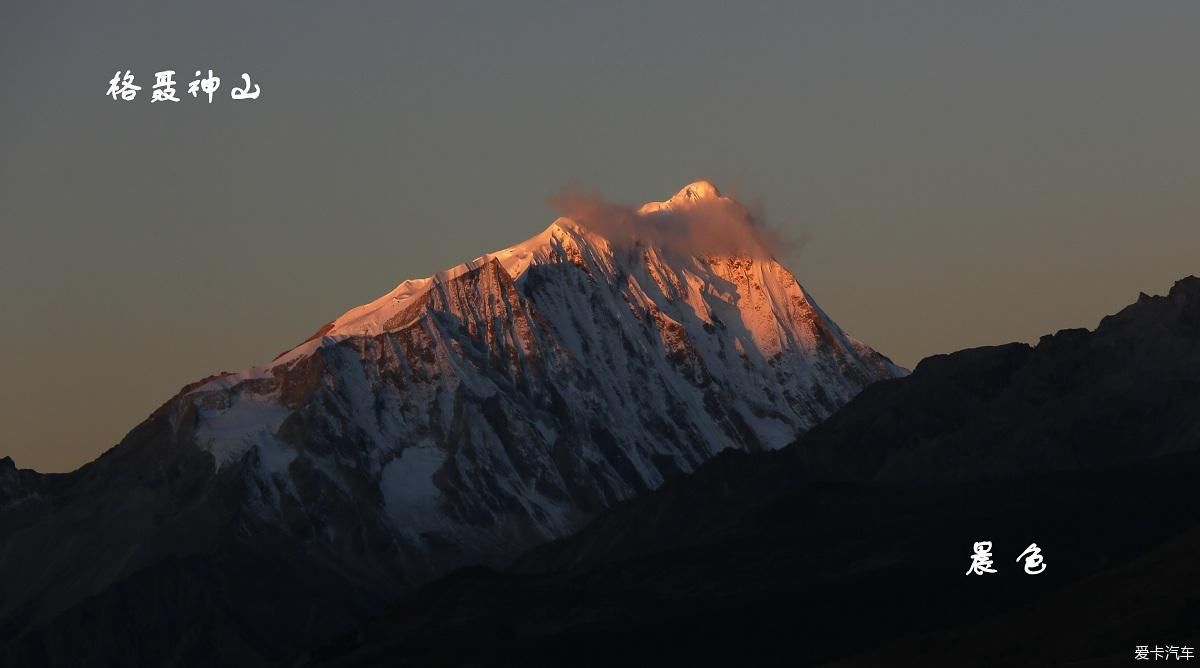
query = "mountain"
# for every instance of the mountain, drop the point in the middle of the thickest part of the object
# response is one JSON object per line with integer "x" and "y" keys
{"x": 850, "y": 546}
{"x": 458, "y": 419}
{"x": 1123, "y": 394}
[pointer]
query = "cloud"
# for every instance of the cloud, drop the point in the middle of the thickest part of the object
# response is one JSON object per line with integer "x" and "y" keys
{"x": 705, "y": 225}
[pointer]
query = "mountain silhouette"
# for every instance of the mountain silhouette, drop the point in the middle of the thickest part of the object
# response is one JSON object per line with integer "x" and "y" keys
{"x": 851, "y": 546}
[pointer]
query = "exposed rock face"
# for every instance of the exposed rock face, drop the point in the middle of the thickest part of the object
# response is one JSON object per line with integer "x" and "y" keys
{"x": 458, "y": 419}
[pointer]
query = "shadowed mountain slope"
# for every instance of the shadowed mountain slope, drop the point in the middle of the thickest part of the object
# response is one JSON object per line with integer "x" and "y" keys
{"x": 852, "y": 544}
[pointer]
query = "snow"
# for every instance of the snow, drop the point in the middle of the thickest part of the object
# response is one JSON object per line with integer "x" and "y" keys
{"x": 370, "y": 319}
{"x": 250, "y": 421}
{"x": 648, "y": 356}
{"x": 687, "y": 195}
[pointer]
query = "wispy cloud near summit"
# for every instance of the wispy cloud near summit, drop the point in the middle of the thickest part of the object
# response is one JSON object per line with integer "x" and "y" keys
{"x": 698, "y": 220}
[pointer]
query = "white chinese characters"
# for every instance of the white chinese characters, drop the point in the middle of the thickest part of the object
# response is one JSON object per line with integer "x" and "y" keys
{"x": 1033, "y": 562}
{"x": 121, "y": 87}
{"x": 208, "y": 84}
{"x": 164, "y": 87}
{"x": 981, "y": 559}
{"x": 244, "y": 93}
{"x": 1161, "y": 653}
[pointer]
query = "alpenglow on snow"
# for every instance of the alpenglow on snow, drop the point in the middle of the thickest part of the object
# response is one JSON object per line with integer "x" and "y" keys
{"x": 504, "y": 401}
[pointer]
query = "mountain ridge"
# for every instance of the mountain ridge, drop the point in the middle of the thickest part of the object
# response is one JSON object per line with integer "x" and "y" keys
{"x": 457, "y": 419}
{"x": 978, "y": 414}
{"x": 850, "y": 545}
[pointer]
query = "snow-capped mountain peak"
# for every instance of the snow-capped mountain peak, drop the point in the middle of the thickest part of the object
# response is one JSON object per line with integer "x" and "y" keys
{"x": 565, "y": 239}
{"x": 505, "y": 400}
{"x": 689, "y": 195}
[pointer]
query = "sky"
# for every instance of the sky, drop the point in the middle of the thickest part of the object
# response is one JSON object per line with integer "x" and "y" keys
{"x": 950, "y": 174}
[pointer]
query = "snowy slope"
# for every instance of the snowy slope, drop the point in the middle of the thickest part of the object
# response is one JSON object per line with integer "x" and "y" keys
{"x": 503, "y": 401}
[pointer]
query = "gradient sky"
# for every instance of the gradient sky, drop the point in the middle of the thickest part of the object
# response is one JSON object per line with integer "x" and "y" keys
{"x": 960, "y": 173}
